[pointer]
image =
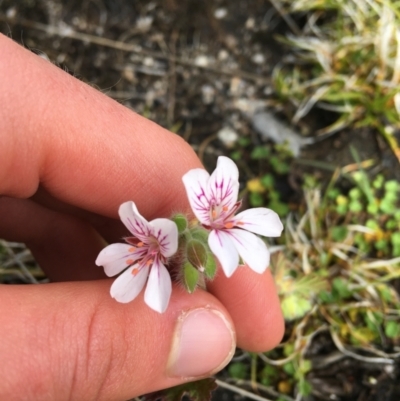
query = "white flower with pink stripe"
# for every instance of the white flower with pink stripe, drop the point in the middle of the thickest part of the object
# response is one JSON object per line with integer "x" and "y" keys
{"x": 214, "y": 202}
{"x": 143, "y": 258}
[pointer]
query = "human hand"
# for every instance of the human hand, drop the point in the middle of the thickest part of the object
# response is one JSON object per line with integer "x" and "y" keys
{"x": 69, "y": 156}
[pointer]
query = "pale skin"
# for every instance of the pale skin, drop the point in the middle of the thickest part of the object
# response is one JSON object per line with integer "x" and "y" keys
{"x": 69, "y": 156}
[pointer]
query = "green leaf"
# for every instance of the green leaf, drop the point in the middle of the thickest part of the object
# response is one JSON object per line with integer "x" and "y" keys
{"x": 355, "y": 206}
{"x": 341, "y": 209}
{"x": 326, "y": 297}
{"x": 340, "y": 287}
{"x": 355, "y": 193}
{"x": 181, "y": 222}
{"x": 305, "y": 366}
{"x": 333, "y": 193}
{"x": 256, "y": 199}
{"x": 190, "y": 277}
{"x": 281, "y": 208}
{"x": 338, "y": 233}
{"x": 373, "y": 208}
{"x": 236, "y": 155}
{"x": 244, "y": 141}
{"x": 370, "y": 223}
{"x": 392, "y": 329}
{"x": 268, "y": 181}
{"x": 391, "y": 225}
{"x": 260, "y": 152}
{"x": 279, "y": 166}
{"x": 295, "y": 306}
{"x": 196, "y": 391}
{"x": 392, "y": 186}
{"x": 396, "y": 238}
{"x": 289, "y": 369}
{"x": 305, "y": 387}
{"x": 378, "y": 181}
{"x": 238, "y": 370}
{"x": 196, "y": 253}
{"x": 210, "y": 267}
{"x": 381, "y": 244}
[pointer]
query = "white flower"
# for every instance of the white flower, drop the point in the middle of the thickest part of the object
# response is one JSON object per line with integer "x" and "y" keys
{"x": 214, "y": 202}
{"x": 147, "y": 251}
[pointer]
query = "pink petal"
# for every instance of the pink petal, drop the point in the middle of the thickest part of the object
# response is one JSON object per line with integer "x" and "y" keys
{"x": 223, "y": 185}
{"x": 251, "y": 249}
{"x": 222, "y": 247}
{"x": 195, "y": 182}
{"x": 134, "y": 221}
{"x": 115, "y": 258}
{"x": 159, "y": 288}
{"x": 260, "y": 221}
{"x": 166, "y": 232}
{"x": 127, "y": 286}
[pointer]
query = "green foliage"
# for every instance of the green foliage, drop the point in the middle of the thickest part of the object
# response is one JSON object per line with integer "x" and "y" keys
{"x": 238, "y": 370}
{"x": 190, "y": 277}
{"x": 196, "y": 253}
{"x": 340, "y": 289}
{"x": 392, "y": 329}
{"x": 268, "y": 375}
{"x": 260, "y": 152}
{"x": 295, "y": 306}
{"x": 181, "y": 222}
{"x": 210, "y": 268}
{"x": 346, "y": 60}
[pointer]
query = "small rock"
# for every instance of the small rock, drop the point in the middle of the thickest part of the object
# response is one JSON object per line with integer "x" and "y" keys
{"x": 220, "y": 13}
{"x": 227, "y": 136}
{"x": 223, "y": 55}
{"x": 129, "y": 73}
{"x": 208, "y": 93}
{"x": 250, "y": 23}
{"x": 236, "y": 85}
{"x": 201, "y": 61}
{"x": 144, "y": 23}
{"x": 258, "y": 58}
{"x": 268, "y": 126}
{"x": 11, "y": 12}
{"x": 148, "y": 61}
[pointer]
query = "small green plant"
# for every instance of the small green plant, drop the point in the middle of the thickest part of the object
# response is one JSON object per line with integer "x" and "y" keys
{"x": 275, "y": 161}
{"x": 347, "y": 60}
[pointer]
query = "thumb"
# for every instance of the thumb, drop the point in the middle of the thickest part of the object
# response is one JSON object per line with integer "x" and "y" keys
{"x": 71, "y": 341}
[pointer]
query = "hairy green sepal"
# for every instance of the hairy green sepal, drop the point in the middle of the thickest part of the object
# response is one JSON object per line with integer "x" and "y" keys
{"x": 181, "y": 222}
{"x": 190, "y": 277}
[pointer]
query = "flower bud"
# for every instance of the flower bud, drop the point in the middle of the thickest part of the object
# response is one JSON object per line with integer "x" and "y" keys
{"x": 181, "y": 222}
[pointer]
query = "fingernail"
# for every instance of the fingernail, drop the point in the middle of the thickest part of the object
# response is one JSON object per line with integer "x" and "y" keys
{"x": 204, "y": 342}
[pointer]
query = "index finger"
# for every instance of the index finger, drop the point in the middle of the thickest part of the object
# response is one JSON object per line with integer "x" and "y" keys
{"x": 74, "y": 140}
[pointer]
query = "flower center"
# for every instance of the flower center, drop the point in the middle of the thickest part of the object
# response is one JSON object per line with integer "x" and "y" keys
{"x": 221, "y": 215}
{"x": 149, "y": 250}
